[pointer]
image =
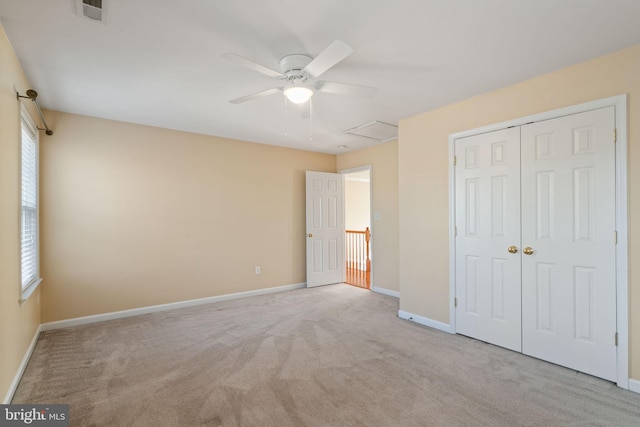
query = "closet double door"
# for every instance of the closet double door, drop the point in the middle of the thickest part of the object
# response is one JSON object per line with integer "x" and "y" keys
{"x": 535, "y": 242}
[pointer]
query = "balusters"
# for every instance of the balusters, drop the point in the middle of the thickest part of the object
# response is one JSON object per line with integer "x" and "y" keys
{"x": 357, "y": 259}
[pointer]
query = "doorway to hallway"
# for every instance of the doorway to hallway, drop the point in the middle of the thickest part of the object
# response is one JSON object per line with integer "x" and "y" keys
{"x": 357, "y": 196}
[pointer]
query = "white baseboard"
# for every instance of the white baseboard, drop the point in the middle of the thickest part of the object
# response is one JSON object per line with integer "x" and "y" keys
{"x": 23, "y": 365}
{"x": 634, "y": 385}
{"x": 425, "y": 321}
{"x": 384, "y": 291}
{"x": 164, "y": 307}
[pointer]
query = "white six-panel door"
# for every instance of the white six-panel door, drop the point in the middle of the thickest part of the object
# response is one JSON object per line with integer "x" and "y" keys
{"x": 547, "y": 190}
{"x": 568, "y": 221}
{"x": 488, "y": 224}
{"x": 325, "y": 228}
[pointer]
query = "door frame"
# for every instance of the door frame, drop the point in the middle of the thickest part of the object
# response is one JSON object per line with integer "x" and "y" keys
{"x": 622, "y": 255}
{"x": 344, "y": 205}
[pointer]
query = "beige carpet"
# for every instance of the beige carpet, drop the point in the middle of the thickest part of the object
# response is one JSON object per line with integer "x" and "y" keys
{"x": 330, "y": 356}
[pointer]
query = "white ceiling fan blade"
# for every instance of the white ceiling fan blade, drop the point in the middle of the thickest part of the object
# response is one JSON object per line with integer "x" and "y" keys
{"x": 345, "y": 89}
{"x": 230, "y": 56}
{"x": 256, "y": 95}
{"x": 334, "y": 53}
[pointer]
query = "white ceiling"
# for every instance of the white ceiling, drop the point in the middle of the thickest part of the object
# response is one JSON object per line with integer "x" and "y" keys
{"x": 157, "y": 62}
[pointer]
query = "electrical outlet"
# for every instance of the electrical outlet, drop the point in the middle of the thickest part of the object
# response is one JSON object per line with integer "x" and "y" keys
{"x": 257, "y": 270}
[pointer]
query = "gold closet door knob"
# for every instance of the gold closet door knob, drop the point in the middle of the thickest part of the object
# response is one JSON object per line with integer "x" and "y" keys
{"x": 527, "y": 250}
{"x": 512, "y": 249}
{"x": 310, "y": 235}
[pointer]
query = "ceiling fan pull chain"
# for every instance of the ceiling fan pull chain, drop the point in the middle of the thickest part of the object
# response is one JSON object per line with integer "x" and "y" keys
{"x": 286, "y": 121}
{"x": 310, "y": 120}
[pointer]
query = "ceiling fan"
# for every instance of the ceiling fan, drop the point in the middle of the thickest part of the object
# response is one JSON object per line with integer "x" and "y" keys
{"x": 300, "y": 75}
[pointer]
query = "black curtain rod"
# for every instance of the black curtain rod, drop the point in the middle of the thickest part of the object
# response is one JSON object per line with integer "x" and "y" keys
{"x": 32, "y": 95}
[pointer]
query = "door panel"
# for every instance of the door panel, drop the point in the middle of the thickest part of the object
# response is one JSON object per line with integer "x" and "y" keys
{"x": 568, "y": 219}
{"x": 325, "y": 228}
{"x": 488, "y": 221}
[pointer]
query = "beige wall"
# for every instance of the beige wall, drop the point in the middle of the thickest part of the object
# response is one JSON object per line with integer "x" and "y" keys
{"x": 18, "y": 323}
{"x": 357, "y": 205}
{"x": 383, "y": 159}
{"x": 423, "y": 180}
{"x": 134, "y": 216}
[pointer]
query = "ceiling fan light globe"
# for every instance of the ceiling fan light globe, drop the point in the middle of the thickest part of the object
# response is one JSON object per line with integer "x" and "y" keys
{"x": 298, "y": 94}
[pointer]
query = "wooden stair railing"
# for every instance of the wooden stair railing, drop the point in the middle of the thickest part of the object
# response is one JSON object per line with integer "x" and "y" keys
{"x": 358, "y": 261}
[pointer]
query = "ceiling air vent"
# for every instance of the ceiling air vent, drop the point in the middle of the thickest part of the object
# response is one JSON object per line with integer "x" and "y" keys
{"x": 92, "y": 9}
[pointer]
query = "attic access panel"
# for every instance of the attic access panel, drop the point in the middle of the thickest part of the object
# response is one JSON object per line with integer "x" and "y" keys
{"x": 380, "y": 131}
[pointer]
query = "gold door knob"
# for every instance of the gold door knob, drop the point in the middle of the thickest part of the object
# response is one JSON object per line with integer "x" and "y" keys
{"x": 310, "y": 235}
{"x": 527, "y": 250}
{"x": 512, "y": 249}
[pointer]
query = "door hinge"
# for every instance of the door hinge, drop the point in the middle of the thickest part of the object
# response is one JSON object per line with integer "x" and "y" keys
{"x": 616, "y": 339}
{"x": 455, "y": 302}
{"x": 455, "y": 160}
{"x": 455, "y": 231}
{"x": 615, "y": 135}
{"x": 615, "y": 237}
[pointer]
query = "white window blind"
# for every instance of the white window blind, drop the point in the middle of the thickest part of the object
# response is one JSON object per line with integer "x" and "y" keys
{"x": 29, "y": 207}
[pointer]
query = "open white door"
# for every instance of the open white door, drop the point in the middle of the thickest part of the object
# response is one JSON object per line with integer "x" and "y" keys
{"x": 325, "y": 228}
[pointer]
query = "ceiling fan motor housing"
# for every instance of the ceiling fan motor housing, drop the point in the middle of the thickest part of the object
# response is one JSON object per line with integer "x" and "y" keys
{"x": 292, "y": 66}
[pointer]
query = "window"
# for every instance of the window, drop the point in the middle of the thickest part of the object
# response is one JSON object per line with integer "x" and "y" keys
{"x": 29, "y": 257}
